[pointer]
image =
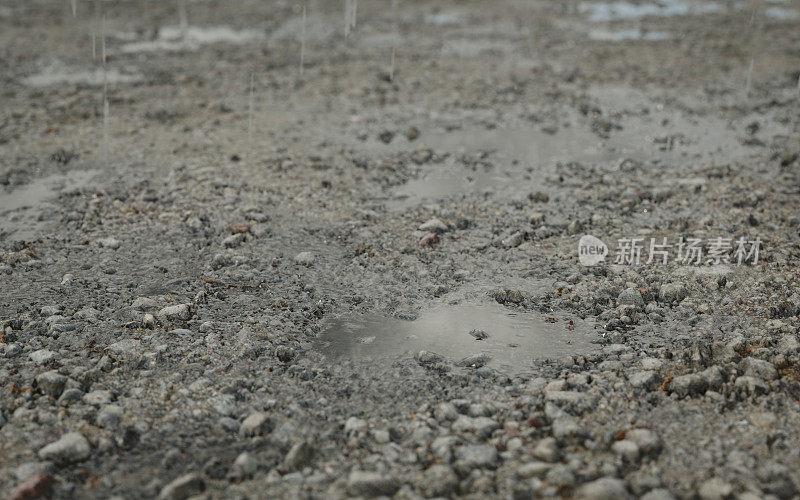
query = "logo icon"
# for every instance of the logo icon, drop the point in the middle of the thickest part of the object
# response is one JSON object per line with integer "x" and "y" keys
{"x": 591, "y": 250}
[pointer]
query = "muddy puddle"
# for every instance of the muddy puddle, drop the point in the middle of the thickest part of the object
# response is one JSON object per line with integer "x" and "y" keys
{"x": 24, "y": 212}
{"x": 519, "y": 158}
{"x": 617, "y": 11}
{"x": 471, "y": 335}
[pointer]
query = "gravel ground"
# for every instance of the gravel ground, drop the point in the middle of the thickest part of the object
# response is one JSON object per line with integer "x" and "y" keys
{"x": 234, "y": 295}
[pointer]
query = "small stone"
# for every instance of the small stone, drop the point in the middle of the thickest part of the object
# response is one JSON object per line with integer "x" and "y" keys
{"x": 71, "y": 448}
{"x": 233, "y": 240}
{"x": 689, "y": 385}
{"x": 672, "y": 292}
{"x": 426, "y": 358}
{"x": 476, "y": 456}
{"x": 183, "y": 487}
{"x": 67, "y": 279}
{"x": 381, "y": 436}
{"x": 751, "y": 386}
{"x": 148, "y": 321}
{"x": 606, "y": 488}
{"x": 715, "y": 489}
{"x": 429, "y": 239}
{"x": 660, "y": 494}
{"x": 144, "y": 304}
{"x": 98, "y": 398}
{"x": 109, "y": 242}
{"x": 178, "y": 312}
{"x": 567, "y": 430}
{"x": 244, "y": 466}
{"x": 109, "y": 417}
{"x": 51, "y": 383}
{"x": 255, "y": 424}
{"x": 481, "y": 426}
{"x": 371, "y": 484}
{"x": 42, "y": 357}
{"x": 758, "y": 368}
{"x": 575, "y": 227}
{"x": 304, "y": 259}
{"x": 475, "y": 360}
{"x": 539, "y": 197}
{"x": 479, "y": 334}
{"x": 434, "y": 226}
{"x": 70, "y": 396}
{"x": 547, "y": 450}
{"x": 536, "y": 218}
{"x": 572, "y": 402}
{"x": 354, "y": 425}
{"x": 533, "y": 469}
{"x": 645, "y": 379}
{"x": 440, "y": 481}
{"x": 632, "y": 297}
{"x": 299, "y": 455}
{"x": 626, "y": 449}
{"x": 648, "y": 441}
{"x": 445, "y": 412}
{"x": 514, "y": 240}
{"x": 284, "y": 353}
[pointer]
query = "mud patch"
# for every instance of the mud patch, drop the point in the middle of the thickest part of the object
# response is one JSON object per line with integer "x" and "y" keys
{"x": 24, "y": 211}
{"x": 511, "y": 341}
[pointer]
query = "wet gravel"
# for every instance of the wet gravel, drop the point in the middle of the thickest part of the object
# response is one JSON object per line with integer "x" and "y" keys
{"x": 333, "y": 308}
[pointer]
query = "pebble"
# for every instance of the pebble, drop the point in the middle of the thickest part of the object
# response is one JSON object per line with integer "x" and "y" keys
{"x": 715, "y": 489}
{"x": 659, "y": 494}
{"x": 689, "y": 385}
{"x": 572, "y": 402}
{"x": 233, "y": 240}
{"x": 475, "y": 360}
{"x": 298, "y": 456}
{"x": 109, "y": 417}
{"x": 144, "y": 304}
{"x": 371, "y": 484}
{"x": 645, "y": 379}
{"x": 178, "y": 312}
{"x": 71, "y": 448}
{"x": 514, "y": 240}
{"x": 434, "y": 226}
{"x": 606, "y": 488}
{"x": 626, "y": 449}
{"x": 648, "y": 441}
{"x": 255, "y": 424}
{"x": 631, "y": 297}
{"x": 547, "y": 450}
{"x": 304, "y": 259}
{"x": 109, "y": 242}
{"x": 183, "y": 487}
{"x": 672, "y": 292}
{"x": 758, "y": 368}
{"x": 51, "y": 383}
{"x": 42, "y": 357}
{"x": 472, "y": 456}
{"x": 439, "y": 481}
{"x": 244, "y": 466}
{"x": 99, "y": 397}
{"x": 481, "y": 426}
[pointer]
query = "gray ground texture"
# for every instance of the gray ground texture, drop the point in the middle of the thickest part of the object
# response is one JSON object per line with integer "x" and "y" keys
{"x": 167, "y": 295}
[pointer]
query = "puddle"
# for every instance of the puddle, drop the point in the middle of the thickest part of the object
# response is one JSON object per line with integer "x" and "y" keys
{"x": 23, "y": 210}
{"x": 515, "y": 339}
{"x": 605, "y": 11}
{"x": 779, "y": 13}
{"x": 170, "y": 39}
{"x": 630, "y": 34}
{"x": 443, "y": 18}
{"x": 58, "y": 74}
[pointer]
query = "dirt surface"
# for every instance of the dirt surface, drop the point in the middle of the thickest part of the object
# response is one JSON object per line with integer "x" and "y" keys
{"x": 363, "y": 279}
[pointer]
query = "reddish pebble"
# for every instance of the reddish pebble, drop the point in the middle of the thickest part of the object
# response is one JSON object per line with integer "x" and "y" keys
{"x": 429, "y": 239}
{"x": 36, "y": 486}
{"x": 238, "y": 228}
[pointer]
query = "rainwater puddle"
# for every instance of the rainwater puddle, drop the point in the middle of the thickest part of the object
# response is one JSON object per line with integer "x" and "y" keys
{"x": 627, "y": 35}
{"x": 615, "y": 11}
{"x": 513, "y": 340}
{"x": 780, "y": 13}
{"x": 171, "y": 39}
{"x": 58, "y": 74}
{"x": 21, "y": 210}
